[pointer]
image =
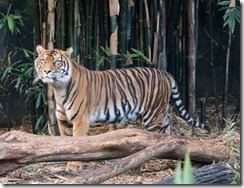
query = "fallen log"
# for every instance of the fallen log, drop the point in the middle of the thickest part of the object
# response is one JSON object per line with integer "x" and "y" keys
{"x": 18, "y": 149}
{"x": 217, "y": 173}
{"x": 120, "y": 166}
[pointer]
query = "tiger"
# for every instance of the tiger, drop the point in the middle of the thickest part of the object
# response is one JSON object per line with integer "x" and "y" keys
{"x": 84, "y": 97}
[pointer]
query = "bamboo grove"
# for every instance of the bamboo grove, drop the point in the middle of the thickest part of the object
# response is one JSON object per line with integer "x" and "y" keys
{"x": 124, "y": 33}
{"x": 113, "y": 34}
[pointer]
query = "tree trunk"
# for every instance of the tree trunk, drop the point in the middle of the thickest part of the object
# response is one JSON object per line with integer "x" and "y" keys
{"x": 226, "y": 80}
{"x": 161, "y": 33}
{"x": 122, "y": 165}
{"x": 220, "y": 173}
{"x": 18, "y": 149}
{"x": 114, "y": 9}
{"x": 52, "y": 125}
{"x": 51, "y": 24}
{"x": 191, "y": 22}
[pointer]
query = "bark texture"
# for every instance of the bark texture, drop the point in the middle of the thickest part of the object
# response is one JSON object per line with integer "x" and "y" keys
{"x": 18, "y": 149}
{"x": 219, "y": 173}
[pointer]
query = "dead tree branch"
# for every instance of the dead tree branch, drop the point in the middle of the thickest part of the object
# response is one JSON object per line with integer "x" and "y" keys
{"x": 18, "y": 149}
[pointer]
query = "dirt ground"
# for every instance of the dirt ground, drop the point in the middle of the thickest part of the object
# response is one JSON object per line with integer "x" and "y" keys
{"x": 148, "y": 173}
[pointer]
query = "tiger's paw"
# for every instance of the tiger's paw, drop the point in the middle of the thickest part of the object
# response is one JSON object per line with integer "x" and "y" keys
{"x": 74, "y": 167}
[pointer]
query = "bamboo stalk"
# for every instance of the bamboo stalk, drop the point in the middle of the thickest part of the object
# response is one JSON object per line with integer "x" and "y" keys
{"x": 114, "y": 9}
{"x": 91, "y": 44}
{"x": 76, "y": 30}
{"x": 70, "y": 23}
{"x": 123, "y": 19}
{"x": 212, "y": 59}
{"x": 148, "y": 32}
{"x": 129, "y": 19}
{"x": 50, "y": 93}
{"x": 96, "y": 33}
{"x": 141, "y": 31}
{"x": 191, "y": 56}
{"x": 36, "y": 14}
{"x": 182, "y": 46}
{"x": 236, "y": 112}
{"x": 203, "y": 110}
{"x": 161, "y": 35}
{"x": 88, "y": 34}
{"x": 105, "y": 28}
{"x": 130, "y": 6}
{"x": 51, "y": 24}
{"x": 226, "y": 81}
{"x": 82, "y": 42}
{"x": 61, "y": 24}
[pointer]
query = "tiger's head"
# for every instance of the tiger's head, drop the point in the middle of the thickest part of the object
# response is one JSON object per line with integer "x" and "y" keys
{"x": 52, "y": 66}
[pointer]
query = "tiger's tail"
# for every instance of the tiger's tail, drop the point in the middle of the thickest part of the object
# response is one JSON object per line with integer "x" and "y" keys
{"x": 175, "y": 96}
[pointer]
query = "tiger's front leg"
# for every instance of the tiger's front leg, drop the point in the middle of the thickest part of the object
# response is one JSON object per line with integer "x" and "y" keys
{"x": 80, "y": 128}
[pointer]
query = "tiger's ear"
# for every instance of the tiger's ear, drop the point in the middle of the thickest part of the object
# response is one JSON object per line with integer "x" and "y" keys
{"x": 39, "y": 49}
{"x": 68, "y": 52}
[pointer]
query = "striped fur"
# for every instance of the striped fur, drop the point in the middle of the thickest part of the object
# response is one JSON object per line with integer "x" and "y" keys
{"x": 86, "y": 97}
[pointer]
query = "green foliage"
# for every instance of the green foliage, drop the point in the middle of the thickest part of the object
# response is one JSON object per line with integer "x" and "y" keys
{"x": 232, "y": 14}
{"x": 231, "y": 133}
{"x": 20, "y": 73}
{"x": 237, "y": 170}
{"x": 106, "y": 55}
{"x": 139, "y": 54}
{"x": 185, "y": 177}
{"x": 11, "y": 21}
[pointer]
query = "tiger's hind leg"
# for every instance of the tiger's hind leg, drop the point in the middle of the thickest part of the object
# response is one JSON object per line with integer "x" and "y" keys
{"x": 158, "y": 122}
{"x": 154, "y": 122}
{"x": 165, "y": 128}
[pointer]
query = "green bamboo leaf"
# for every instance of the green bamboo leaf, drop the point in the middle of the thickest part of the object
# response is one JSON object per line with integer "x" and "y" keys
{"x": 21, "y": 22}
{"x": 226, "y": 22}
{"x": 134, "y": 55}
{"x": 100, "y": 61}
{"x": 17, "y": 16}
{"x": 17, "y": 30}
{"x": 38, "y": 100}
{"x": 237, "y": 13}
{"x": 137, "y": 51}
{"x": 224, "y": 8}
{"x": 26, "y": 53}
{"x": 233, "y": 25}
{"x": 21, "y": 89}
{"x": 187, "y": 170}
{"x": 39, "y": 122}
{"x": 103, "y": 49}
{"x": 44, "y": 97}
{"x": 2, "y": 24}
{"x": 237, "y": 19}
{"x": 6, "y": 72}
{"x": 11, "y": 24}
{"x": 9, "y": 9}
{"x": 224, "y": 3}
{"x": 29, "y": 72}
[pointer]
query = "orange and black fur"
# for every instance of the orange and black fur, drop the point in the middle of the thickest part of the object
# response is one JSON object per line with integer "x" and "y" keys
{"x": 85, "y": 97}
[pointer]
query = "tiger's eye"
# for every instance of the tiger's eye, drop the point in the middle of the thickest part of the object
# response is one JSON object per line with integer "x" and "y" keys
{"x": 58, "y": 61}
{"x": 42, "y": 61}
